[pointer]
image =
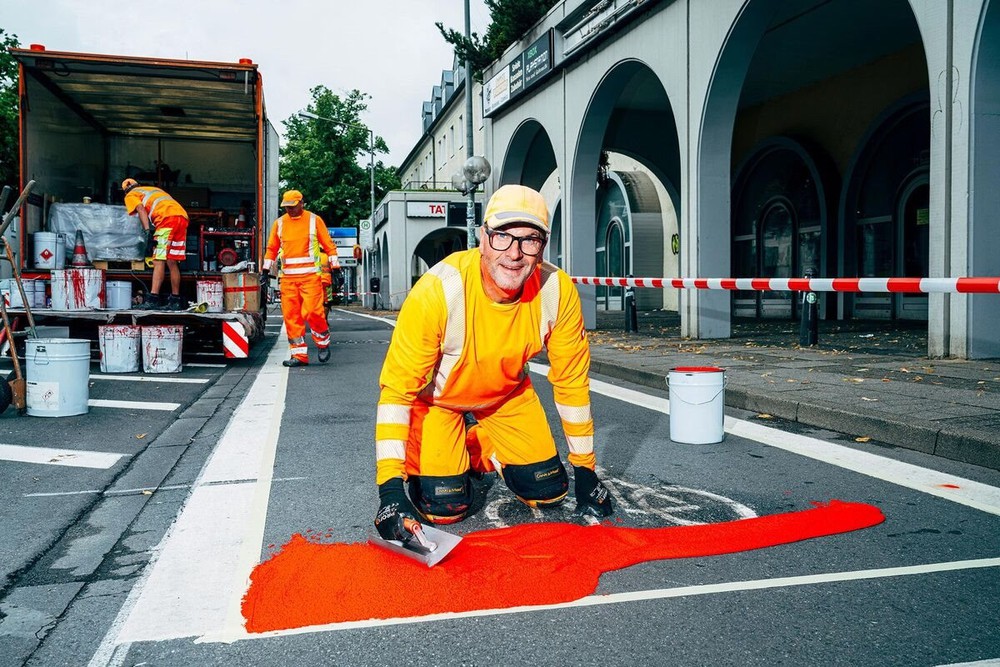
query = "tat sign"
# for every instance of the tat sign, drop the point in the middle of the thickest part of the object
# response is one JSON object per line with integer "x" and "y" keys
{"x": 426, "y": 209}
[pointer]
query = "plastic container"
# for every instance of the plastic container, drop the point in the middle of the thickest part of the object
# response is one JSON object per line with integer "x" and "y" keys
{"x": 57, "y": 377}
{"x": 697, "y": 397}
{"x": 78, "y": 289}
{"x": 119, "y": 294}
{"x": 46, "y": 245}
{"x": 119, "y": 344}
{"x": 210, "y": 292}
{"x": 162, "y": 347}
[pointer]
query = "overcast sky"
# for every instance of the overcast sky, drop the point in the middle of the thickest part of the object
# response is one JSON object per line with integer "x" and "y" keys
{"x": 389, "y": 49}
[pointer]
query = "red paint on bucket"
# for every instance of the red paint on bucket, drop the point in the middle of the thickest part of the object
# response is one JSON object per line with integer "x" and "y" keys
{"x": 307, "y": 583}
{"x": 697, "y": 369}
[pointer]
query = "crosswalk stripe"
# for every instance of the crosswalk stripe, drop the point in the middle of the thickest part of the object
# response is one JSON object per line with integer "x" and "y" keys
{"x": 132, "y": 405}
{"x": 59, "y": 457}
{"x": 148, "y": 378}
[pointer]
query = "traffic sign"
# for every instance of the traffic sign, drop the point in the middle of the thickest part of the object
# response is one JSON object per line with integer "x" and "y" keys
{"x": 367, "y": 234}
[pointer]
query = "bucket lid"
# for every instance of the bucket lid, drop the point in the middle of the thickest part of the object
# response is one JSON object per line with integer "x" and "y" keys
{"x": 697, "y": 369}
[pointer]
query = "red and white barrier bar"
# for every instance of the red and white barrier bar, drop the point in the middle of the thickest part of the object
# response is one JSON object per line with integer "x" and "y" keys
{"x": 902, "y": 285}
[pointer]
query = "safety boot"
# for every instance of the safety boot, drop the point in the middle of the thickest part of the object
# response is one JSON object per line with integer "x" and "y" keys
{"x": 153, "y": 301}
{"x": 294, "y": 362}
{"x": 324, "y": 354}
{"x": 174, "y": 303}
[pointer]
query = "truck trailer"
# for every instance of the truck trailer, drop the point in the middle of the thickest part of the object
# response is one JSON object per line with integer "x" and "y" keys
{"x": 196, "y": 129}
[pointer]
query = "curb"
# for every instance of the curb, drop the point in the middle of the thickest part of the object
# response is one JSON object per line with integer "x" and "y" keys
{"x": 954, "y": 444}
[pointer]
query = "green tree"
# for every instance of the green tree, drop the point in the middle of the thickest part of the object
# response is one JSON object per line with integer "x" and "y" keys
{"x": 9, "y": 168}
{"x": 328, "y": 161}
{"x": 509, "y": 20}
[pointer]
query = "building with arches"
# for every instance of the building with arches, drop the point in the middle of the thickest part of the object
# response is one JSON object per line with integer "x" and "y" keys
{"x": 765, "y": 138}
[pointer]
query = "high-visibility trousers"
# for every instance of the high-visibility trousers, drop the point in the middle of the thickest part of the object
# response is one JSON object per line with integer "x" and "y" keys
{"x": 514, "y": 432}
{"x": 301, "y": 304}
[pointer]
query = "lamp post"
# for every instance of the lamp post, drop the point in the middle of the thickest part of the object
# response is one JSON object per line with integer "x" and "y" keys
{"x": 474, "y": 173}
{"x": 371, "y": 163}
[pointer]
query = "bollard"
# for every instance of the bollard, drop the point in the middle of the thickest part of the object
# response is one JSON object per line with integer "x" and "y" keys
{"x": 631, "y": 314}
{"x": 809, "y": 324}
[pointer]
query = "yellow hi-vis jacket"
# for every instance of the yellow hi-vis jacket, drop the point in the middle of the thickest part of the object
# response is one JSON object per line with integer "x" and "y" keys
{"x": 298, "y": 240}
{"x": 455, "y": 347}
{"x": 158, "y": 204}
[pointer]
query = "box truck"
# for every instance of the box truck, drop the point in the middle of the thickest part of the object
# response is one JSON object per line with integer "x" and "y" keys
{"x": 198, "y": 130}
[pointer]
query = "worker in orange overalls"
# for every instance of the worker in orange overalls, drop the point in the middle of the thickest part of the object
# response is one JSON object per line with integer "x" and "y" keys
{"x": 456, "y": 399}
{"x": 299, "y": 235}
{"x": 169, "y": 221}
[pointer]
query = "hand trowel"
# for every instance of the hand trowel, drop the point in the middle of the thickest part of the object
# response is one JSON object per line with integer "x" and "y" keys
{"x": 428, "y": 544}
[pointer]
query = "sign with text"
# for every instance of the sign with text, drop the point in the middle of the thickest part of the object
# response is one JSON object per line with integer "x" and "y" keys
{"x": 426, "y": 209}
{"x": 518, "y": 76}
{"x": 344, "y": 237}
{"x": 366, "y": 234}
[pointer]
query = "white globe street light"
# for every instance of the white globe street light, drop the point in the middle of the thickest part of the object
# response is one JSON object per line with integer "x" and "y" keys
{"x": 475, "y": 171}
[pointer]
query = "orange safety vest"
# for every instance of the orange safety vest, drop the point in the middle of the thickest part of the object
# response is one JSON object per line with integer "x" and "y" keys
{"x": 299, "y": 244}
{"x": 158, "y": 204}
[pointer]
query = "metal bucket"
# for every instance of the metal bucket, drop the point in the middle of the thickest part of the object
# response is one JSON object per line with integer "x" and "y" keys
{"x": 119, "y": 345}
{"x": 58, "y": 376}
{"x": 161, "y": 348}
{"x": 210, "y": 292}
{"x": 77, "y": 289}
{"x": 119, "y": 294}
{"x": 696, "y": 402}
{"x": 12, "y": 296}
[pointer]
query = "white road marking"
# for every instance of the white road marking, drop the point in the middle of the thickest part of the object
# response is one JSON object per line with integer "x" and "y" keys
{"x": 204, "y": 365}
{"x": 942, "y": 485}
{"x": 132, "y": 405}
{"x": 141, "y": 489}
{"x": 216, "y": 540}
{"x": 148, "y": 378}
{"x": 655, "y": 594}
{"x": 59, "y": 457}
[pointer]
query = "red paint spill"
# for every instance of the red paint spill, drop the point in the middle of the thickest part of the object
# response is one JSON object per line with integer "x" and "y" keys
{"x": 308, "y": 584}
{"x": 949, "y": 486}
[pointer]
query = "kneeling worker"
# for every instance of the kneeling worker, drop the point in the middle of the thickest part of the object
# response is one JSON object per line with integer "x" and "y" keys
{"x": 300, "y": 235}
{"x": 461, "y": 345}
{"x": 169, "y": 221}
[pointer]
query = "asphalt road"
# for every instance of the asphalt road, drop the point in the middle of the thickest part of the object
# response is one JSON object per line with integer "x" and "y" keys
{"x": 145, "y": 561}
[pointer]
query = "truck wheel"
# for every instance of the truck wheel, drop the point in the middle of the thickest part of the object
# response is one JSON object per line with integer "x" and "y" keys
{"x": 6, "y": 396}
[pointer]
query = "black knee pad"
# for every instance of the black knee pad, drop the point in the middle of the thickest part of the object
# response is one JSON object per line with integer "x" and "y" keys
{"x": 440, "y": 498}
{"x": 542, "y": 482}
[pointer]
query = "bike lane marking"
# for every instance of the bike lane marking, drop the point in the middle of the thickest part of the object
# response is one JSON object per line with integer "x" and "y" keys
{"x": 197, "y": 575}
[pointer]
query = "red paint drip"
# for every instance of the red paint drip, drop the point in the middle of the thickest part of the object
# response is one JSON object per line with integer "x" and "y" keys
{"x": 307, "y": 584}
{"x": 949, "y": 486}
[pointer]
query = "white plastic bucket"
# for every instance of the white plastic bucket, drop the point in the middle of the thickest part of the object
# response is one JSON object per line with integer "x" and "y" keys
{"x": 119, "y": 348}
{"x": 119, "y": 294}
{"x": 161, "y": 348}
{"x": 60, "y": 251}
{"x": 57, "y": 379}
{"x": 41, "y": 296}
{"x": 77, "y": 289}
{"x": 46, "y": 247}
{"x": 697, "y": 396}
{"x": 11, "y": 295}
{"x": 210, "y": 292}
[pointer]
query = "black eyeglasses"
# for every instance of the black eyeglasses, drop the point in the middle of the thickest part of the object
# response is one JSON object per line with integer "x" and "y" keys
{"x": 502, "y": 241}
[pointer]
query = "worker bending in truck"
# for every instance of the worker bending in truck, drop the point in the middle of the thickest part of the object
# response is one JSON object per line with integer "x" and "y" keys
{"x": 300, "y": 235}
{"x": 461, "y": 345}
{"x": 168, "y": 221}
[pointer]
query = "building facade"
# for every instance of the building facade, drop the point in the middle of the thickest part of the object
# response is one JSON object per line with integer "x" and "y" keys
{"x": 838, "y": 138}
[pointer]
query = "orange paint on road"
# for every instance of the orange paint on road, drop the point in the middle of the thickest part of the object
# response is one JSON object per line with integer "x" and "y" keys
{"x": 307, "y": 583}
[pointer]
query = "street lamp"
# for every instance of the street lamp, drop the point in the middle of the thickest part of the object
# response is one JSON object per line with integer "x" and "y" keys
{"x": 371, "y": 160}
{"x": 475, "y": 171}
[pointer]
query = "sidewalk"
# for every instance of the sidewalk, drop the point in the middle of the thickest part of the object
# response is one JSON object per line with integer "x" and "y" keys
{"x": 865, "y": 379}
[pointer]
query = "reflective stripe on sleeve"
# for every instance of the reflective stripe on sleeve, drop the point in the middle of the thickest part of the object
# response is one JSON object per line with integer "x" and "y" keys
{"x": 580, "y": 444}
{"x": 393, "y": 414}
{"x": 574, "y": 414}
{"x": 390, "y": 449}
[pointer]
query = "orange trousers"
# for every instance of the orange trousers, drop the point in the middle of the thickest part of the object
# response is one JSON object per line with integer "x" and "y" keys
{"x": 514, "y": 432}
{"x": 301, "y": 304}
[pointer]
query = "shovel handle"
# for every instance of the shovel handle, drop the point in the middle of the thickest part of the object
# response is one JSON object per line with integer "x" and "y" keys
{"x": 418, "y": 532}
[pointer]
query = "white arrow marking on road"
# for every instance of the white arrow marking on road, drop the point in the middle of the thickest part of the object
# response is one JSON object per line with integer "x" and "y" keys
{"x": 58, "y": 457}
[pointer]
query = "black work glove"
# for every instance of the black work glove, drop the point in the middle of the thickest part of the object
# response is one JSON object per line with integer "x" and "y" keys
{"x": 393, "y": 508}
{"x": 265, "y": 275}
{"x": 592, "y": 497}
{"x": 150, "y": 242}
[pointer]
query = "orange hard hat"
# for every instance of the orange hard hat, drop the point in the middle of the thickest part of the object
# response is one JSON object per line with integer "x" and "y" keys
{"x": 129, "y": 183}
